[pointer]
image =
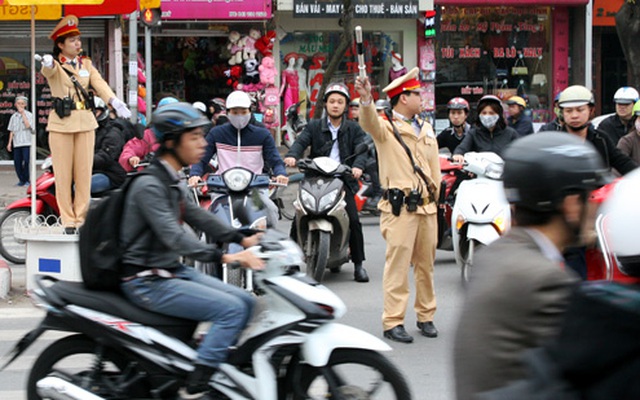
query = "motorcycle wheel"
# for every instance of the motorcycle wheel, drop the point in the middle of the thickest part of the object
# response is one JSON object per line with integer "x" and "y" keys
{"x": 75, "y": 358}
{"x": 356, "y": 374}
{"x": 467, "y": 266}
{"x": 317, "y": 261}
{"x": 11, "y": 248}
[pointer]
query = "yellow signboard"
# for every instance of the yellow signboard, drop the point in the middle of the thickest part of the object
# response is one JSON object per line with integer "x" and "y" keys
{"x": 23, "y": 13}
{"x": 52, "y": 2}
{"x": 149, "y": 4}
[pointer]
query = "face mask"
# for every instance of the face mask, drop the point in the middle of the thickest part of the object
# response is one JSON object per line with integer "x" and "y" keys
{"x": 489, "y": 121}
{"x": 637, "y": 125}
{"x": 239, "y": 121}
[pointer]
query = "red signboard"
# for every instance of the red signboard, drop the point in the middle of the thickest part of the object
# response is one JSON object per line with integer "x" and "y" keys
{"x": 604, "y": 12}
{"x": 513, "y": 3}
{"x": 109, "y": 7}
{"x": 216, "y": 9}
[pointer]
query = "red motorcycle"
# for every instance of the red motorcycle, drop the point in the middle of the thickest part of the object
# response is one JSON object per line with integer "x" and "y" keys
{"x": 452, "y": 175}
{"x": 11, "y": 248}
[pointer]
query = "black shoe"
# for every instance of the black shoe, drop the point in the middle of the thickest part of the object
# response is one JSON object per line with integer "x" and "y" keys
{"x": 198, "y": 381}
{"x": 427, "y": 329}
{"x": 360, "y": 274}
{"x": 398, "y": 334}
{"x": 70, "y": 230}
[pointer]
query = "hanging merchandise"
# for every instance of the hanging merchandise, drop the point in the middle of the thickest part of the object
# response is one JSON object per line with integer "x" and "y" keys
{"x": 269, "y": 106}
{"x": 538, "y": 79}
{"x": 519, "y": 68}
{"x": 235, "y": 47}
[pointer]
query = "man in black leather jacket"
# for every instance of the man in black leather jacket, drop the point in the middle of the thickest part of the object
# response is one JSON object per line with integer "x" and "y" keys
{"x": 336, "y": 137}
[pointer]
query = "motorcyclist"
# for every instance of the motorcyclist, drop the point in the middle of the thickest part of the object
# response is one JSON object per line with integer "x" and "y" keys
{"x": 518, "y": 119}
{"x": 154, "y": 239}
{"x": 451, "y": 137}
{"x": 557, "y": 123}
{"x": 337, "y": 137}
{"x": 521, "y": 290}
{"x": 218, "y": 111}
{"x": 629, "y": 144}
{"x": 619, "y": 124}
{"x": 107, "y": 174}
{"x": 354, "y": 108}
{"x": 491, "y": 132}
{"x": 240, "y": 143}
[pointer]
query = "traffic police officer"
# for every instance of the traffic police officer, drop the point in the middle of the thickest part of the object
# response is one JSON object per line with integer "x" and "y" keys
{"x": 408, "y": 219}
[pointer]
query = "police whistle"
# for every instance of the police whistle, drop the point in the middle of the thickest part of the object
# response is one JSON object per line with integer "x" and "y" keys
{"x": 362, "y": 68}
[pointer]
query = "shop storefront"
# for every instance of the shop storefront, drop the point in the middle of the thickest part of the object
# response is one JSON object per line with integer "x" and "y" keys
{"x": 310, "y": 32}
{"x": 519, "y": 49}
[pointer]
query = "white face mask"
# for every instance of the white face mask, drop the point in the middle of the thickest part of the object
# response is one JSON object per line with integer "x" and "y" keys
{"x": 239, "y": 121}
{"x": 637, "y": 124}
{"x": 489, "y": 121}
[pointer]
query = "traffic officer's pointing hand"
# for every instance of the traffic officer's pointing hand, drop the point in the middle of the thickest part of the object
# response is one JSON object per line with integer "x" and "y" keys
{"x": 363, "y": 87}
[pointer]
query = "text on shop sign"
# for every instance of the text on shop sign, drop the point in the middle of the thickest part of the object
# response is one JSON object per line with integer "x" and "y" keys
{"x": 333, "y": 9}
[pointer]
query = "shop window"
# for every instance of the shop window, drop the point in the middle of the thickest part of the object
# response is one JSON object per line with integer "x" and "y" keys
{"x": 308, "y": 53}
{"x": 504, "y": 51}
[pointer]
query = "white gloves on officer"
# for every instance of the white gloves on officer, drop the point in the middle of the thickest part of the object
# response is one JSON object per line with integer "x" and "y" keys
{"x": 121, "y": 109}
{"x": 47, "y": 60}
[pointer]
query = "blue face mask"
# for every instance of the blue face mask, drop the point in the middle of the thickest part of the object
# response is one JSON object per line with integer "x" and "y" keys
{"x": 489, "y": 121}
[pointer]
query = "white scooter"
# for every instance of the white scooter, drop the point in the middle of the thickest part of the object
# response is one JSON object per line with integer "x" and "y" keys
{"x": 481, "y": 213}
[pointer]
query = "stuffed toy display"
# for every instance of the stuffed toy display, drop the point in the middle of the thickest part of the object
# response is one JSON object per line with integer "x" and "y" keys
{"x": 233, "y": 75}
{"x": 235, "y": 47}
{"x": 251, "y": 73}
{"x": 268, "y": 71}
{"x": 249, "y": 51}
{"x": 265, "y": 44}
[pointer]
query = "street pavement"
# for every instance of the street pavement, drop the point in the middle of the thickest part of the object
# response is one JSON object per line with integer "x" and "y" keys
{"x": 426, "y": 363}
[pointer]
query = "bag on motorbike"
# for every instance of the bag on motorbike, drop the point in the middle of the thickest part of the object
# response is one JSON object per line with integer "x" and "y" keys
{"x": 99, "y": 242}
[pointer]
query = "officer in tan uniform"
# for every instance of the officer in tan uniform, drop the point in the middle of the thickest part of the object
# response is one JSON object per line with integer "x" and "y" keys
{"x": 72, "y": 123}
{"x": 408, "y": 209}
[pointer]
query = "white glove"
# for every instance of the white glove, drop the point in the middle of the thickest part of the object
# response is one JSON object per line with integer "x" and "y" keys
{"x": 47, "y": 60}
{"x": 121, "y": 109}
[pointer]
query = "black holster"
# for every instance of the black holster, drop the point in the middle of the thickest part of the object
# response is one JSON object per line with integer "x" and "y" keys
{"x": 396, "y": 199}
{"x": 63, "y": 107}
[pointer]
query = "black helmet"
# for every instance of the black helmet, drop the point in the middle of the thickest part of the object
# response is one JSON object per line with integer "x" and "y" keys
{"x": 171, "y": 120}
{"x": 340, "y": 88}
{"x": 541, "y": 169}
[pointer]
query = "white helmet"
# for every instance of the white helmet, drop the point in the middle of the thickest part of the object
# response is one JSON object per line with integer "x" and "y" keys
{"x": 198, "y": 105}
{"x": 623, "y": 223}
{"x": 238, "y": 99}
{"x": 626, "y": 95}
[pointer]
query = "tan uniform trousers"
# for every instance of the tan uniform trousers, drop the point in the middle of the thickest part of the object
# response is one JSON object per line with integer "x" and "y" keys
{"x": 72, "y": 157}
{"x": 411, "y": 239}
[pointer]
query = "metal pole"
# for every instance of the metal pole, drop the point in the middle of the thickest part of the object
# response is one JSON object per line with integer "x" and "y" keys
{"x": 133, "y": 66}
{"x": 147, "y": 71}
{"x": 588, "y": 46}
{"x": 33, "y": 146}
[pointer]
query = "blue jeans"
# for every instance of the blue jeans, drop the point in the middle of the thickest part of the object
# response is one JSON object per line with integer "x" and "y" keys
{"x": 194, "y": 295}
{"x": 21, "y": 162}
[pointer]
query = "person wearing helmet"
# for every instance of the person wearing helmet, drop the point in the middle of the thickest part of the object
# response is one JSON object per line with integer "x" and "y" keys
{"x": 619, "y": 124}
{"x": 218, "y": 111}
{"x": 451, "y": 137}
{"x": 491, "y": 132}
{"x": 518, "y": 119}
{"x": 354, "y": 107}
{"x": 408, "y": 209}
{"x": 106, "y": 173}
{"x": 154, "y": 238}
{"x": 138, "y": 149}
{"x": 517, "y": 298}
{"x": 381, "y": 106}
{"x": 198, "y": 105}
{"x": 336, "y": 136}
{"x": 241, "y": 143}
{"x": 20, "y": 125}
{"x": 629, "y": 144}
{"x": 557, "y": 124}
{"x": 576, "y": 103}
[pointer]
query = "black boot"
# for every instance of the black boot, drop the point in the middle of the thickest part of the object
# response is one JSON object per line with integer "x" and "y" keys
{"x": 198, "y": 381}
{"x": 360, "y": 274}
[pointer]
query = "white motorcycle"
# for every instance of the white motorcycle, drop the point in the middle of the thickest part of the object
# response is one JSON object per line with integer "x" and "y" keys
{"x": 291, "y": 349}
{"x": 481, "y": 212}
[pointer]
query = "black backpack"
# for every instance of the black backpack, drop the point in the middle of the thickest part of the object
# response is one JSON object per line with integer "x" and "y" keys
{"x": 99, "y": 242}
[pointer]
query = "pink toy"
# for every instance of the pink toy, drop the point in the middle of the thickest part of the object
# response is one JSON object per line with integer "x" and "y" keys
{"x": 235, "y": 46}
{"x": 250, "y": 50}
{"x": 268, "y": 71}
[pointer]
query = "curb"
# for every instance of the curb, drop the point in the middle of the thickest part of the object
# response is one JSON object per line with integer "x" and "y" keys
{"x": 5, "y": 279}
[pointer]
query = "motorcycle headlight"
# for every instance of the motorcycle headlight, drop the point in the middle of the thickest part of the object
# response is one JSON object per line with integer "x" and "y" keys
{"x": 460, "y": 221}
{"x": 494, "y": 171}
{"x": 237, "y": 179}
{"x": 328, "y": 199}
{"x": 308, "y": 201}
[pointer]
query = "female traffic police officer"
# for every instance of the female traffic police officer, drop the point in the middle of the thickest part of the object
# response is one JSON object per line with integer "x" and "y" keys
{"x": 408, "y": 220}
{"x": 72, "y": 123}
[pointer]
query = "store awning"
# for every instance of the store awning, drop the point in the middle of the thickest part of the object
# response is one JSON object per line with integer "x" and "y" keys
{"x": 511, "y": 3}
{"x": 109, "y": 7}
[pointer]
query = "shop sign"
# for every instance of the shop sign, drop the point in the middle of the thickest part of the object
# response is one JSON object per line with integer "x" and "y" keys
{"x": 361, "y": 9}
{"x": 216, "y": 9}
{"x": 604, "y": 12}
{"x": 23, "y": 13}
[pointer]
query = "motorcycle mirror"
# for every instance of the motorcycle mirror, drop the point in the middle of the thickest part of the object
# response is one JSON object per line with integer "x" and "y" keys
{"x": 240, "y": 212}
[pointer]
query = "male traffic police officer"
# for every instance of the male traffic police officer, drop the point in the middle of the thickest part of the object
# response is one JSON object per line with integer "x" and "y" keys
{"x": 408, "y": 208}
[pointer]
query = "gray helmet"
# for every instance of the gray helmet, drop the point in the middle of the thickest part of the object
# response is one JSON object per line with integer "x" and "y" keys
{"x": 340, "y": 88}
{"x": 171, "y": 120}
{"x": 576, "y": 96}
{"x": 102, "y": 106}
{"x": 541, "y": 169}
{"x": 383, "y": 104}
